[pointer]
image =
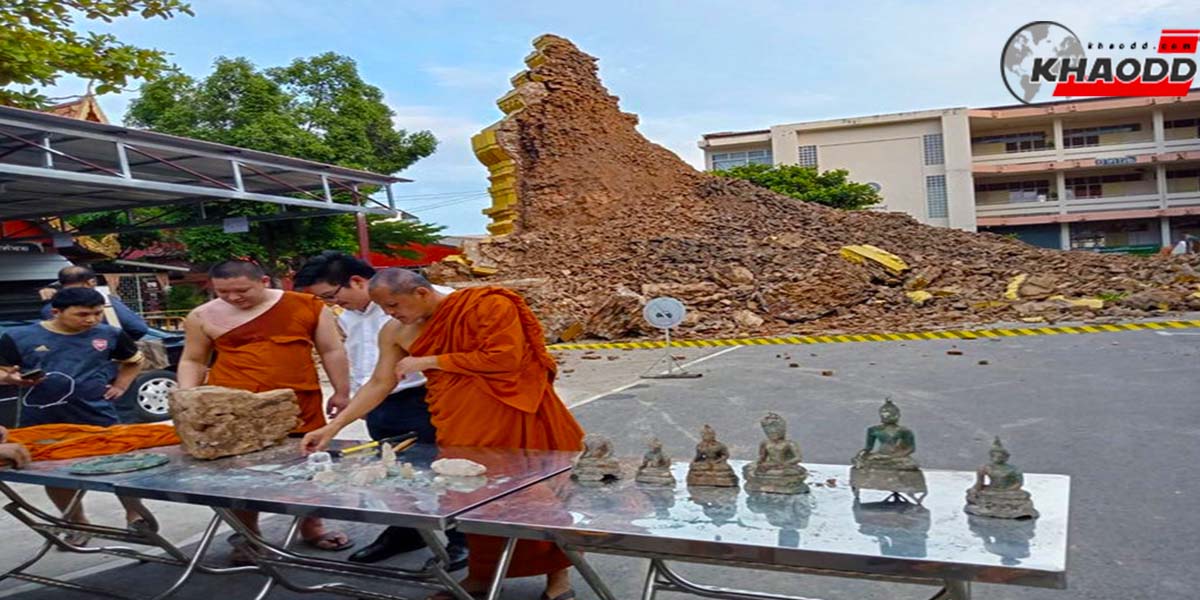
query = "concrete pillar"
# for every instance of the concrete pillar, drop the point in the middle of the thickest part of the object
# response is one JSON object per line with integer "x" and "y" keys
{"x": 960, "y": 182}
{"x": 1164, "y": 224}
{"x": 1064, "y": 235}
{"x": 785, "y": 147}
{"x": 1060, "y": 187}
{"x": 1058, "y": 139}
{"x": 1160, "y": 182}
{"x": 1160, "y": 136}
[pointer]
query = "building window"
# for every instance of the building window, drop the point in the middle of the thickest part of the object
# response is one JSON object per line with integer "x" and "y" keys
{"x": 1017, "y": 142}
{"x": 728, "y": 160}
{"x": 935, "y": 197}
{"x": 1034, "y": 190}
{"x": 1193, "y": 124}
{"x": 1084, "y": 137}
{"x": 1093, "y": 187}
{"x": 808, "y": 156}
{"x": 935, "y": 153}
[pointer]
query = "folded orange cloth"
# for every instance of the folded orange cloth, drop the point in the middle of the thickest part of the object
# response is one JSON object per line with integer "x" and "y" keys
{"x": 60, "y": 440}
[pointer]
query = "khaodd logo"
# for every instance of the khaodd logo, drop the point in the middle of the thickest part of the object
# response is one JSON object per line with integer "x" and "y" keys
{"x": 1045, "y": 60}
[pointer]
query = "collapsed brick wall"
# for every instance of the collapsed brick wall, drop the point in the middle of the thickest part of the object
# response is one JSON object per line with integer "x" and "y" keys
{"x": 602, "y": 219}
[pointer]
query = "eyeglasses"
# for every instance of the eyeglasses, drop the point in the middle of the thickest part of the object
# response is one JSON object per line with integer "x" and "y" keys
{"x": 331, "y": 296}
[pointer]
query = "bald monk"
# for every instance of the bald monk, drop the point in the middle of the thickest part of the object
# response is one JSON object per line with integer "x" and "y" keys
{"x": 490, "y": 383}
{"x": 264, "y": 339}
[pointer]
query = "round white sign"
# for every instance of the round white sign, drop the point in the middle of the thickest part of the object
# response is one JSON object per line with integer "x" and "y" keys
{"x": 664, "y": 312}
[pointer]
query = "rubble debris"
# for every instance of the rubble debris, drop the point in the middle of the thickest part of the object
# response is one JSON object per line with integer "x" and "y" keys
{"x": 954, "y": 352}
{"x": 457, "y": 467}
{"x": 214, "y": 421}
{"x": 575, "y": 187}
{"x": 827, "y": 373}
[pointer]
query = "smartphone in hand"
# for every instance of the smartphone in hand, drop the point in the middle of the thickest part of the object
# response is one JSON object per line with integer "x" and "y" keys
{"x": 32, "y": 374}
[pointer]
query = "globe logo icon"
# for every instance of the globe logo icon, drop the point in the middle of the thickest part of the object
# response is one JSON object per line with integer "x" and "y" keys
{"x": 1039, "y": 39}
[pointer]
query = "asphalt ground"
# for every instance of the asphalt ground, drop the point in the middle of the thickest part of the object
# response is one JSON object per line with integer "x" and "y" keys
{"x": 1115, "y": 411}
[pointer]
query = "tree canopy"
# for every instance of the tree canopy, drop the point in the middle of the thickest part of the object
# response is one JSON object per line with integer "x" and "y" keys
{"x": 831, "y": 188}
{"x": 39, "y": 42}
{"x": 316, "y": 108}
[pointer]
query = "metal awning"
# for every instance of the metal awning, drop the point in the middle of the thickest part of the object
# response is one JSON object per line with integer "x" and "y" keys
{"x": 52, "y": 166}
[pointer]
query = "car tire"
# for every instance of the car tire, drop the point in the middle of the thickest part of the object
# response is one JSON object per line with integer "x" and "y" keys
{"x": 147, "y": 399}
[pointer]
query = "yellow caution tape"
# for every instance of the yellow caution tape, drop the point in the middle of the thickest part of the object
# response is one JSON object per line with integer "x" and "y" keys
{"x": 950, "y": 334}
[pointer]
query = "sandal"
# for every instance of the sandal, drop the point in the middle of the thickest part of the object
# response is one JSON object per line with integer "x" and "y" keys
{"x": 328, "y": 542}
{"x": 567, "y": 595}
{"x": 77, "y": 538}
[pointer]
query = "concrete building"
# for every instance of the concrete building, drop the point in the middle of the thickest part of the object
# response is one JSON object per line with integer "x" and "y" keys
{"x": 1117, "y": 174}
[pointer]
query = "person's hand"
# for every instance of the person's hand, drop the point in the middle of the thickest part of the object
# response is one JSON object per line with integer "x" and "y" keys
{"x": 15, "y": 454}
{"x": 414, "y": 364}
{"x": 317, "y": 439}
{"x": 13, "y": 377}
{"x": 112, "y": 392}
{"x": 337, "y": 403}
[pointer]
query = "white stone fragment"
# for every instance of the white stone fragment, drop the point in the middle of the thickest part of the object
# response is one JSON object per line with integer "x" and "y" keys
{"x": 387, "y": 456}
{"x": 458, "y": 467}
{"x": 320, "y": 461}
{"x": 407, "y": 471}
{"x": 368, "y": 474}
{"x": 327, "y": 476}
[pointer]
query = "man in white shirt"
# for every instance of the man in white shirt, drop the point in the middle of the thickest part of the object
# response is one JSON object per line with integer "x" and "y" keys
{"x": 341, "y": 279}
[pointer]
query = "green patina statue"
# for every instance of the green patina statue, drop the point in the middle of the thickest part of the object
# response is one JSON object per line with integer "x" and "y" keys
{"x": 889, "y": 445}
{"x": 997, "y": 491}
{"x": 886, "y": 461}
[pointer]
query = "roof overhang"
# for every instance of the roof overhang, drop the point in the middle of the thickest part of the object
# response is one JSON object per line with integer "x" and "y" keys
{"x": 53, "y": 166}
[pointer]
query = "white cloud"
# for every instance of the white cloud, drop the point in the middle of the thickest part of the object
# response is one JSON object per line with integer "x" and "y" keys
{"x": 449, "y": 187}
{"x": 469, "y": 78}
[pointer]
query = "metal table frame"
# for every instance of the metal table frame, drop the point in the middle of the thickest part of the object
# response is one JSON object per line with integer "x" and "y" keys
{"x": 271, "y": 559}
{"x": 952, "y": 584}
{"x": 50, "y": 527}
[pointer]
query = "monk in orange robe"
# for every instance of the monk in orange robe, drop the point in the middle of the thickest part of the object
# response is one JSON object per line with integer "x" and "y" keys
{"x": 264, "y": 340}
{"x": 490, "y": 382}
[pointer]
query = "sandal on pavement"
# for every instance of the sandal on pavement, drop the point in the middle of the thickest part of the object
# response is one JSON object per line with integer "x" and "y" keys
{"x": 77, "y": 538}
{"x": 567, "y": 595}
{"x": 328, "y": 542}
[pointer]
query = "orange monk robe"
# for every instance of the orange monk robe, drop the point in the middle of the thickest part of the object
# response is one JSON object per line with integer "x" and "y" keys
{"x": 275, "y": 350}
{"x": 57, "y": 441}
{"x": 494, "y": 388}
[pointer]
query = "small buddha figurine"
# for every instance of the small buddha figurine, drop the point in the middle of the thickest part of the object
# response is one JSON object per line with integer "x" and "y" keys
{"x": 596, "y": 463}
{"x": 656, "y": 466}
{"x": 997, "y": 491}
{"x": 886, "y": 461}
{"x": 889, "y": 445}
{"x": 711, "y": 467}
{"x": 777, "y": 470}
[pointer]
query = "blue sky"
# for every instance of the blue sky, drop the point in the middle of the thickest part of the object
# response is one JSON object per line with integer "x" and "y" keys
{"x": 685, "y": 68}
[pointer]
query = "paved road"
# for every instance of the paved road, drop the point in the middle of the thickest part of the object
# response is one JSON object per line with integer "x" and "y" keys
{"x": 1115, "y": 411}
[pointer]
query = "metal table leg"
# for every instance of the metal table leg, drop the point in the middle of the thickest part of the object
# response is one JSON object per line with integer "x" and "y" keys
{"x": 51, "y": 527}
{"x": 274, "y": 561}
{"x": 589, "y": 574}
{"x": 510, "y": 547}
{"x": 650, "y": 588}
{"x": 954, "y": 590}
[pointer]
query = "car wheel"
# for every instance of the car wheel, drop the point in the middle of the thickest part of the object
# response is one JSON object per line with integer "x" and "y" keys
{"x": 148, "y": 399}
